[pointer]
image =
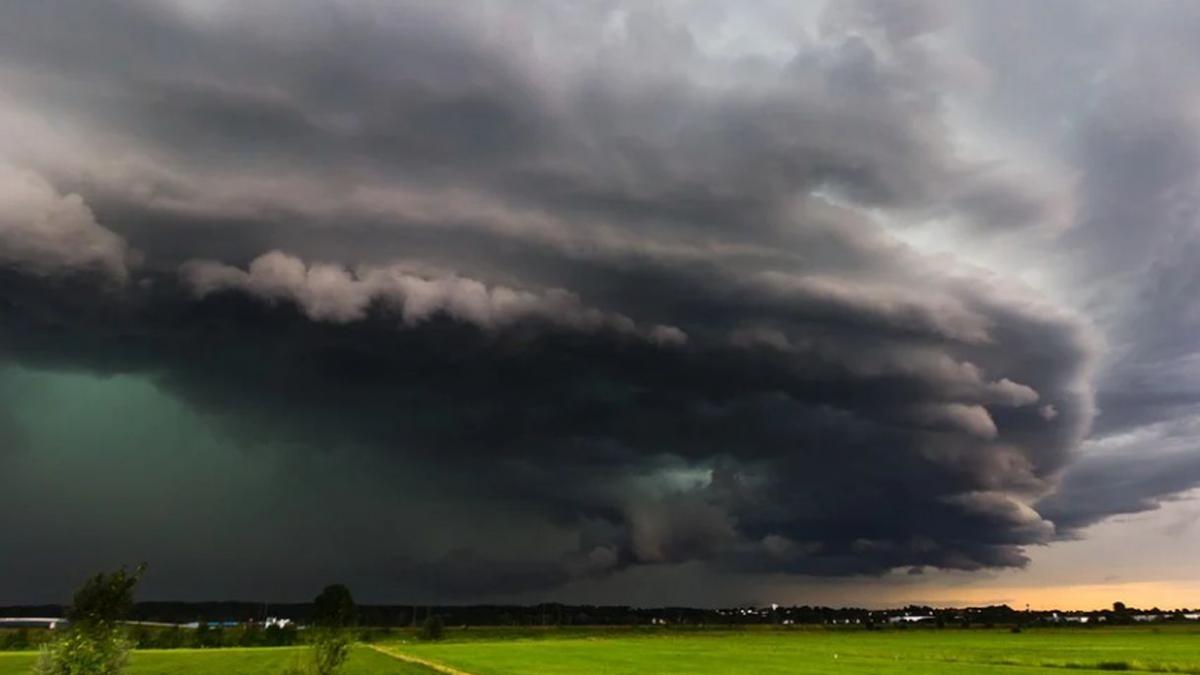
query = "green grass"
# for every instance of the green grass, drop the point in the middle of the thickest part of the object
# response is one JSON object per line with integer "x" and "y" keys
{"x": 227, "y": 662}
{"x": 599, "y": 651}
{"x": 950, "y": 651}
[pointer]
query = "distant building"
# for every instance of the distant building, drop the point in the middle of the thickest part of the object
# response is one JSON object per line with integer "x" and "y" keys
{"x": 32, "y": 622}
{"x": 211, "y": 624}
{"x": 910, "y": 618}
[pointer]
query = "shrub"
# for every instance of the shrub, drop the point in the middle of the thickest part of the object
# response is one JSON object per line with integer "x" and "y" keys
{"x": 15, "y": 639}
{"x": 251, "y": 636}
{"x": 274, "y": 636}
{"x": 85, "y": 652}
{"x": 330, "y": 648}
{"x": 171, "y": 638}
{"x": 142, "y": 638}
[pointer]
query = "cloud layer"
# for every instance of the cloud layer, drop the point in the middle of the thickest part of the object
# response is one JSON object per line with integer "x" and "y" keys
{"x": 685, "y": 284}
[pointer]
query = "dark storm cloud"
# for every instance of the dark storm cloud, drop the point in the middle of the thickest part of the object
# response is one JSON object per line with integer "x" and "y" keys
{"x": 1135, "y": 247}
{"x": 1101, "y": 487}
{"x": 606, "y": 426}
{"x": 568, "y": 258}
{"x": 1143, "y": 465}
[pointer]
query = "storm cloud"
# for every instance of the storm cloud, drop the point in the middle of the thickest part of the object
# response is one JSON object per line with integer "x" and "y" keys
{"x": 651, "y": 284}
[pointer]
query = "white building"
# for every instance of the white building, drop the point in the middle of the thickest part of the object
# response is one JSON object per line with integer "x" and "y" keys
{"x": 910, "y": 618}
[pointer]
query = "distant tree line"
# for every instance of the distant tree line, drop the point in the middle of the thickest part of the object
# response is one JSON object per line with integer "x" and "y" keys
{"x": 379, "y": 622}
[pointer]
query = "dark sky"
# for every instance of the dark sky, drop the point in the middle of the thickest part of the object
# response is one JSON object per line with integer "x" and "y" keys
{"x": 611, "y": 301}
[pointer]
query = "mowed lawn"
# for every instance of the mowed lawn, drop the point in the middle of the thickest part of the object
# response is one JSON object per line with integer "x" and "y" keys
{"x": 362, "y": 661}
{"x": 912, "y": 652}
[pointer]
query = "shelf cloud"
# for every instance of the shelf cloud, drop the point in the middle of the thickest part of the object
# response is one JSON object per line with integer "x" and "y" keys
{"x": 814, "y": 291}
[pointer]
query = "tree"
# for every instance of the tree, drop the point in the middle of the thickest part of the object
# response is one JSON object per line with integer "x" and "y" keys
{"x": 334, "y": 613}
{"x": 1120, "y": 613}
{"x": 334, "y": 608}
{"x": 94, "y": 642}
{"x": 105, "y": 598}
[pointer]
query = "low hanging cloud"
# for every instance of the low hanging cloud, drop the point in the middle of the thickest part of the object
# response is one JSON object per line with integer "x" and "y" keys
{"x": 676, "y": 285}
{"x": 46, "y": 233}
{"x": 327, "y": 292}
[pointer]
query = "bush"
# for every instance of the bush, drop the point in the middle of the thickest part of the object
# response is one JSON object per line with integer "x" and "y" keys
{"x": 15, "y": 640}
{"x": 101, "y": 651}
{"x": 171, "y": 638}
{"x": 330, "y": 648}
{"x": 251, "y": 636}
{"x": 274, "y": 636}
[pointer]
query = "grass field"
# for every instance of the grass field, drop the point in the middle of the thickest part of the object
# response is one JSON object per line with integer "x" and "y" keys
{"x": 816, "y": 651}
{"x": 626, "y": 652}
{"x": 228, "y": 662}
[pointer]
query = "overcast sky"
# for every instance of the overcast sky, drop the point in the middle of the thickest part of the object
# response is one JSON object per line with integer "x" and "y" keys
{"x": 690, "y": 302}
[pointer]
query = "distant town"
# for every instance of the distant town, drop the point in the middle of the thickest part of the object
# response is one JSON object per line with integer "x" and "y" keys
{"x": 293, "y": 616}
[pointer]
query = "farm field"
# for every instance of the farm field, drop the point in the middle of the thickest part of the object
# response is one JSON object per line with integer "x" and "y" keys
{"x": 574, "y": 651}
{"x": 816, "y": 651}
{"x": 264, "y": 661}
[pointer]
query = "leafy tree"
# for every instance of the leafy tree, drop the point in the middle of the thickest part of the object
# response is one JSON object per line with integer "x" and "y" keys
{"x": 105, "y": 598}
{"x": 334, "y": 607}
{"x": 94, "y": 643}
{"x": 334, "y": 613}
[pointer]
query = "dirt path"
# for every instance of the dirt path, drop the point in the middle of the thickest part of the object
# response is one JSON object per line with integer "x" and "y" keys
{"x": 432, "y": 665}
